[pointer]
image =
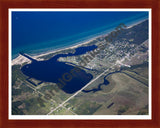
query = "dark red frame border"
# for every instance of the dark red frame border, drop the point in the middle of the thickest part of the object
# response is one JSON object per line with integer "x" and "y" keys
{"x": 6, "y": 4}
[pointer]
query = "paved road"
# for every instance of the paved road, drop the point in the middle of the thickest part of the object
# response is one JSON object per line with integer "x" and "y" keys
{"x": 78, "y": 91}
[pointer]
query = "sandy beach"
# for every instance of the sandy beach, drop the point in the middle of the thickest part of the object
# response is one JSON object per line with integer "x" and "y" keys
{"x": 21, "y": 59}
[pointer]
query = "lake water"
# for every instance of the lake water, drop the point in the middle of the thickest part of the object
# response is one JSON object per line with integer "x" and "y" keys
{"x": 51, "y": 71}
{"x": 37, "y": 32}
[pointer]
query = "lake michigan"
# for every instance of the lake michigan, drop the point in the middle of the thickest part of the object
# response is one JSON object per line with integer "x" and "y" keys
{"x": 39, "y": 32}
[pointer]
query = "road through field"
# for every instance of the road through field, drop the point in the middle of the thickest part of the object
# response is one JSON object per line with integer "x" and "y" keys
{"x": 78, "y": 91}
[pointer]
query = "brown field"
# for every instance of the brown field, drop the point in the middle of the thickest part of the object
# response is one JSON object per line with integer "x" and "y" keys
{"x": 124, "y": 95}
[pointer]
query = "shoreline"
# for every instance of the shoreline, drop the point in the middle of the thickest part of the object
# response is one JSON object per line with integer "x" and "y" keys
{"x": 21, "y": 59}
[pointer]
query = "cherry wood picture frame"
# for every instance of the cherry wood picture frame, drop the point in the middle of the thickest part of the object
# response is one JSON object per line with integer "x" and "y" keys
{"x": 107, "y": 4}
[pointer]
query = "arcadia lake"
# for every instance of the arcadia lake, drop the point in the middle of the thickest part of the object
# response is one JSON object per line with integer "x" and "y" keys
{"x": 51, "y": 70}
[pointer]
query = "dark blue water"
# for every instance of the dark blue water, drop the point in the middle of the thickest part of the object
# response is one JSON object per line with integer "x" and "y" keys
{"x": 33, "y": 32}
{"x": 106, "y": 82}
{"x": 36, "y": 32}
{"x": 51, "y": 71}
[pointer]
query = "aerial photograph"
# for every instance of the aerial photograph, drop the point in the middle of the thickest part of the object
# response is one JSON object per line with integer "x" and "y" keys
{"x": 79, "y": 62}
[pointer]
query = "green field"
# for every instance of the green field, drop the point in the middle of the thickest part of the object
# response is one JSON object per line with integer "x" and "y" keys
{"x": 125, "y": 95}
